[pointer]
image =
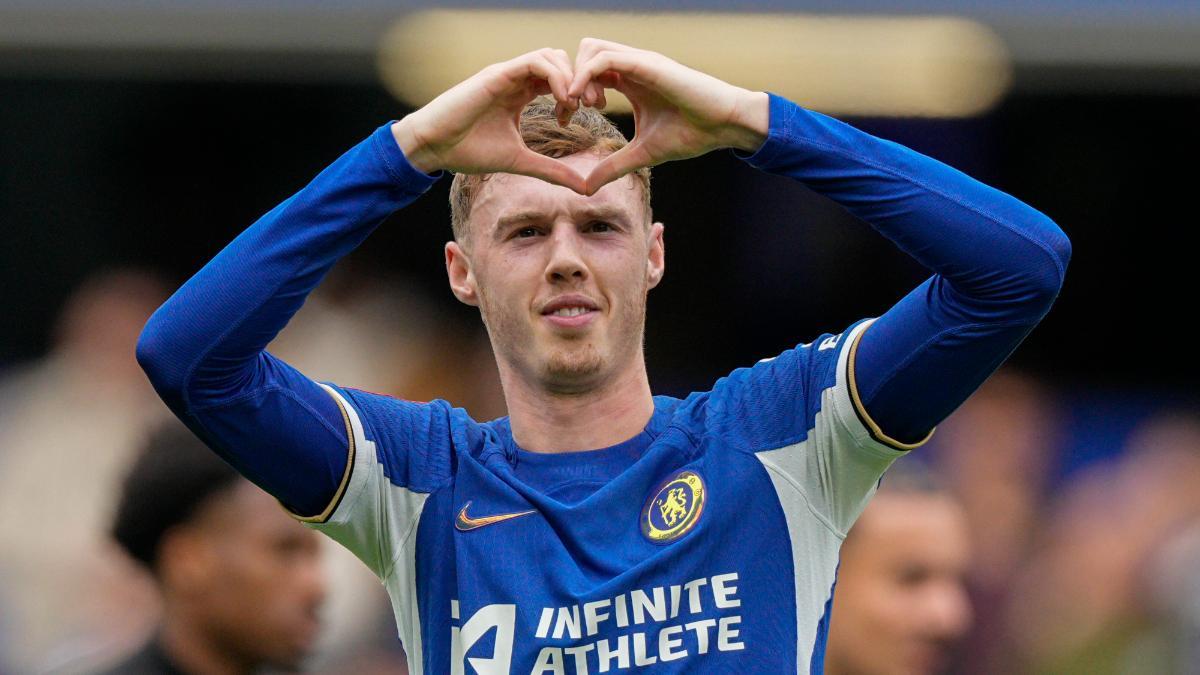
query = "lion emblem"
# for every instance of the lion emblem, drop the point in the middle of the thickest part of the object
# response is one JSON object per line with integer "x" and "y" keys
{"x": 673, "y": 507}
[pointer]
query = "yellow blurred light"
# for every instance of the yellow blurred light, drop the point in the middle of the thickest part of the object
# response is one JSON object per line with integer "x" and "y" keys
{"x": 932, "y": 66}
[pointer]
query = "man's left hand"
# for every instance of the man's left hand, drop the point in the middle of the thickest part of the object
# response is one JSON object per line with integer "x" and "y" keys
{"x": 678, "y": 112}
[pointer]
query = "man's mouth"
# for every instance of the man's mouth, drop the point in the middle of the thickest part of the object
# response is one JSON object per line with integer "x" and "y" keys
{"x": 570, "y": 311}
{"x": 571, "y": 317}
{"x": 572, "y": 304}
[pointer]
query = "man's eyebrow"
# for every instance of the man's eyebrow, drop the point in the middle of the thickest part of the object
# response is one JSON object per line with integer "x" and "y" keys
{"x": 518, "y": 217}
{"x": 590, "y": 213}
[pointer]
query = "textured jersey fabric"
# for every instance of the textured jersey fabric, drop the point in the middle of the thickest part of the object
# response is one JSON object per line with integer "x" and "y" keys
{"x": 709, "y": 541}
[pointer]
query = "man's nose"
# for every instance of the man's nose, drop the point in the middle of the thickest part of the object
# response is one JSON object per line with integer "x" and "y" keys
{"x": 949, "y": 610}
{"x": 311, "y": 579}
{"x": 565, "y": 262}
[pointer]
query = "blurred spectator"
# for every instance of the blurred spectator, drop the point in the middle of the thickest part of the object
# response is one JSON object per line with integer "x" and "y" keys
{"x": 996, "y": 454}
{"x": 1174, "y": 580}
{"x": 1093, "y": 598}
{"x": 901, "y": 604}
{"x": 240, "y": 579}
{"x": 380, "y": 335}
{"x": 359, "y": 331}
{"x": 68, "y": 597}
{"x": 69, "y": 424}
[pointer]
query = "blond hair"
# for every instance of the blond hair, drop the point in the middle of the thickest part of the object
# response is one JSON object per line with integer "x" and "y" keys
{"x": 589, "y": 130}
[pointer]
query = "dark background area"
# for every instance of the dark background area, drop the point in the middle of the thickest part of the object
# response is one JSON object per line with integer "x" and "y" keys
{"x": 160, "y": 174}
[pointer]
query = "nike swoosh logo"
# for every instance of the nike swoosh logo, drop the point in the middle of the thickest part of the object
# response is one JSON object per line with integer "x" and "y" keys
{"x": 465, "y": 523}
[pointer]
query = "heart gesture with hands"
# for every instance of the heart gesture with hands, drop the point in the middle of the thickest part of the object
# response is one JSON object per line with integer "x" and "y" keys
{"x": 678, "y": 112}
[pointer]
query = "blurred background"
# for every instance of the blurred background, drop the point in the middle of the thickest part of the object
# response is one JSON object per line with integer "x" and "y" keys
{"x": 136, "y": 139}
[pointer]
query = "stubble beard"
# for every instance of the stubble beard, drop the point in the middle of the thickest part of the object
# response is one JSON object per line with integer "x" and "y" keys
{"x": 571, "y": 366}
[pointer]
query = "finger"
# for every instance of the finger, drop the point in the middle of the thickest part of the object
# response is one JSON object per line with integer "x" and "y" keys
{"x": 564, "y": 107}
{"x": 598, "y": 44}
{"x": 593, "y": 95}
{"x": 562, "y": 61}
{"x": 563, "y": 110}
{"x": 639, "y": 95}
{"x": 607, "y": 80}
{"x": 559, "y": 80}
{"x": 589, "y": 47}
{"x": 627, "y": 64}
{"x": 538, "y": 65}
{"x": 610, "y": 79}
{"x": 530, "y": 163}
{"x": 626, "y": 160}
{"x": 561, "y": 113}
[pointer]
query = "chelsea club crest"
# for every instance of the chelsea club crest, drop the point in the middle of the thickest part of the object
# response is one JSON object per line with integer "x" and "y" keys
{"x": 674, "y": 509}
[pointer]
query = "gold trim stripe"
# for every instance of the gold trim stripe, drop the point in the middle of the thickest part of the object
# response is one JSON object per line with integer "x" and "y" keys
{"x": 341, "y": 490}
{"x": 876, "y": 432}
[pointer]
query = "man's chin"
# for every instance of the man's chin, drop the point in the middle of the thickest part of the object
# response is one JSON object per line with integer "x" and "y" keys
{"x": 573, "y": 371}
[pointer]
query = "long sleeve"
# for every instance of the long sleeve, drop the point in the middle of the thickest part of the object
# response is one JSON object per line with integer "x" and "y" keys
{"x": 204, "y": 349}
{"x": 998, "y": 265}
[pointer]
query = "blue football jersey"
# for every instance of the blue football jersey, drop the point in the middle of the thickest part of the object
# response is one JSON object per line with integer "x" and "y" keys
{"x": 707, "y": 543}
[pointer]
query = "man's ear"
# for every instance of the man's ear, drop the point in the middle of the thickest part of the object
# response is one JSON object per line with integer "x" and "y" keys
{"x": 184, "y": 561}
{"x": 656, "y": 262}
{"x": 462, "y": 278}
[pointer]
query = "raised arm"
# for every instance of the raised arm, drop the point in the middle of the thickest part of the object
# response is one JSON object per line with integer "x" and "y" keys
{"x": 204, "y": 348}
{"x": 998, "y": 264}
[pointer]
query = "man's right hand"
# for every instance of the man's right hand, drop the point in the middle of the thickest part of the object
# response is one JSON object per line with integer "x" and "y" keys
{"x": 473, "y": 127}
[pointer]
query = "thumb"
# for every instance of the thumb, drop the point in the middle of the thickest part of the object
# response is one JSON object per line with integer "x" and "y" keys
{"x": 626, "y": 160}
{"x": 530, "y": 163}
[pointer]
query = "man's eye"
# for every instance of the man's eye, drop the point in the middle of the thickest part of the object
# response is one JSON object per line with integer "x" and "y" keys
{"x": 526, "y": 232}
{"x": 600, "y": 226}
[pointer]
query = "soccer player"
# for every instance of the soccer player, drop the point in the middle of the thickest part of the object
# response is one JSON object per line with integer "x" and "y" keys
{"x": 600, "y": 528}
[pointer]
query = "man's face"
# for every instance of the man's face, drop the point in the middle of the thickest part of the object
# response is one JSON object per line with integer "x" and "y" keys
{"x": 901, "y": 603}
{"x": 259, "y": 582}
{"x": 560, "y": 279}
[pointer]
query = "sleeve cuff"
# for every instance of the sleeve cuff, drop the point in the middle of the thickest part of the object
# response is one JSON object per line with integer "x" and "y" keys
{"x": 398, "y": 166}
{"x": 781, "y": 112}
